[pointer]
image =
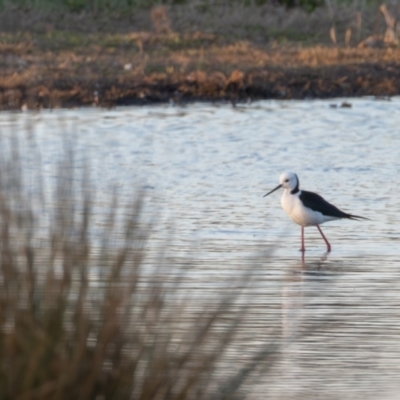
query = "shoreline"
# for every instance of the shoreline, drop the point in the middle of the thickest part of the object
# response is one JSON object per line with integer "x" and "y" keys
{"x": 54, "y": 62}
{"x": 337, "y": 81}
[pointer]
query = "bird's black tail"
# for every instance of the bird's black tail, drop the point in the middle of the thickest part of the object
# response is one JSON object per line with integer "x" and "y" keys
{"x": 357, "y": 217}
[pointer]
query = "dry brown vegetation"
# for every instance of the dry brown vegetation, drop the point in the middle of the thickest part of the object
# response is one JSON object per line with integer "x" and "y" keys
{"x": 83, "y": 315}
{"x": 183, "y": 53}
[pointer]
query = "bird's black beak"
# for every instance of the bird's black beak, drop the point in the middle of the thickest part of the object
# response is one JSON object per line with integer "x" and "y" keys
{"x": 273, "y": 190}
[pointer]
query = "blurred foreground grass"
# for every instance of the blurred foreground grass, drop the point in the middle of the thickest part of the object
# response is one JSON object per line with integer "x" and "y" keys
{"x": 83, "y": 316}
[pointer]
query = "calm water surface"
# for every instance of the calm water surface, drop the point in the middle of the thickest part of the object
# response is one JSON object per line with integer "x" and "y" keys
{"x": 205, "y": 169}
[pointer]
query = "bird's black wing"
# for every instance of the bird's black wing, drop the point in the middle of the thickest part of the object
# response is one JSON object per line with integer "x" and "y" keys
{"x": 318, "y": 203}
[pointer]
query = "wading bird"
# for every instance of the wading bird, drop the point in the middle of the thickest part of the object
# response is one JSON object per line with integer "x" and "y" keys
{"x": 307, "y": 208}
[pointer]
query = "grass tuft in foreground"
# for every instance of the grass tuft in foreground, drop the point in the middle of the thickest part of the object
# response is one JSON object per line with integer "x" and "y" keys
{"x": 82, "y": 316}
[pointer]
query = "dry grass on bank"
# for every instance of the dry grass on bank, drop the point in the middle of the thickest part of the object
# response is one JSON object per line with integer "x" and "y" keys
{"x": 35, "y": 47}
{"x": 225, "y": 51}
{"x": 144, "y": 57}
{"x": 82, "y": 316}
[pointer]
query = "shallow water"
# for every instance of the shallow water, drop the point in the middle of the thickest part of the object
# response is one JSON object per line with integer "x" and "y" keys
{"x": 205, "y": 169}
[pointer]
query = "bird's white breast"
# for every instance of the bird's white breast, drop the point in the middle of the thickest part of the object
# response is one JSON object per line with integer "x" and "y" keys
{"x": 303, "y": 216}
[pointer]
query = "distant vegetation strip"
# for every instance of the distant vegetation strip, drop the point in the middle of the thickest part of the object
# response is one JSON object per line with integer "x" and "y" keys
{"x": 99, "y": 5}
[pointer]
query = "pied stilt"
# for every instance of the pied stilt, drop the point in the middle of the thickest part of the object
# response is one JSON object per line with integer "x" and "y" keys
{"x": 307, "y": 208}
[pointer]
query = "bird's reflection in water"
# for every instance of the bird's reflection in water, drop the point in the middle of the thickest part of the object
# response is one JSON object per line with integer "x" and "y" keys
{"x": 313, "y": 263}
{"x": 303, "y": 311}
{"x": 301, "y": 288}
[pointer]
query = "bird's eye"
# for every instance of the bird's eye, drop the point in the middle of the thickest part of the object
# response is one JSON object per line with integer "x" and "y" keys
{"x": 287, "y": 180}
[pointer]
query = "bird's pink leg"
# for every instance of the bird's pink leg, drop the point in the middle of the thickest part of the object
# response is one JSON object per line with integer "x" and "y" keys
{"x": 326, "y": 241}
{"x": 303, "y": 249}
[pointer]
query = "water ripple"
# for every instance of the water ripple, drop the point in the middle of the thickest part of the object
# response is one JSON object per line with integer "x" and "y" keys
{"x": 206, "y": 168}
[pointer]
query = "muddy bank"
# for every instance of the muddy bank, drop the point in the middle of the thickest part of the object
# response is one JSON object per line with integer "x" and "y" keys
{"x": 274, "y": 83}
{"x": 144, "y": 69}
{"x": 182, "y": 54}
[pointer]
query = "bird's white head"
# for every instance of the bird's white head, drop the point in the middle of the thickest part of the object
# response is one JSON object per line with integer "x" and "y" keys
{"x": 287, "y": 180}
